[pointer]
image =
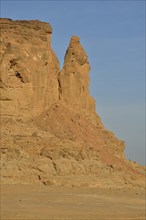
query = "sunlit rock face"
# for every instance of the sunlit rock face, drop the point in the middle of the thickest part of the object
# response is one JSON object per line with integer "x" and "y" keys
{"x": 74, "y": 78}
{"x": 49, "y": 126}
{"x": 29, "y": 68}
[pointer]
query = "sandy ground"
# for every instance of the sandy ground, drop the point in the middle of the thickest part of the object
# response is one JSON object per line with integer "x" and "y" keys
{"x": 52, "y": 203}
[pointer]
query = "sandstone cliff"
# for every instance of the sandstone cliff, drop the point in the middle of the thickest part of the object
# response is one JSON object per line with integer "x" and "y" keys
{"x": 29, "y": 68}
{"x": 49, "y": 126}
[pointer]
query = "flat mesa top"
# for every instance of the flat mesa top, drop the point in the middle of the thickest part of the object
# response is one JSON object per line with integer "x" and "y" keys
{"x": 31, "y": 24}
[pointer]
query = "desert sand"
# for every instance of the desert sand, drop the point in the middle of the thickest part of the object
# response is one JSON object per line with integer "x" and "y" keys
{"x": 69, "y": 203}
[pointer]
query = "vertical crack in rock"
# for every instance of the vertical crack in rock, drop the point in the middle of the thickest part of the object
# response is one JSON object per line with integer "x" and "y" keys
{"x": 59, "y": 87}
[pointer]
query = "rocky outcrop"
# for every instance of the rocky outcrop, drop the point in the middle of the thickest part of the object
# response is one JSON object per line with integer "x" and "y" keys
{"x": 49, "y": 126}
{"x": 74, "y": 79}
{"x": 30, "y": 74}
{"x": 29, "y": 68}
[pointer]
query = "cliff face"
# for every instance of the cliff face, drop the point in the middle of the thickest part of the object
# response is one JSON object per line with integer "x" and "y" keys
{"x": 29, "y": 68}
{"x": 49, "y": 125}
{"x": 30, "y": 78}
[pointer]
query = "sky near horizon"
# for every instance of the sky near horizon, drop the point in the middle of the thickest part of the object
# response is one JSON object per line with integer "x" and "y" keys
{"x": 113, "y": 35}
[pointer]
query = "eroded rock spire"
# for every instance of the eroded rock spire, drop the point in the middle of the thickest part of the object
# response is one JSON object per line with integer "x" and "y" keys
{"x": 74, "y": 78}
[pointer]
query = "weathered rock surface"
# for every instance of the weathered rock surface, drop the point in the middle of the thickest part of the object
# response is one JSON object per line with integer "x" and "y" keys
{"x": 50, "y": 131}
{"x": 29, "y": 68}
{"x": 74, "y": 79}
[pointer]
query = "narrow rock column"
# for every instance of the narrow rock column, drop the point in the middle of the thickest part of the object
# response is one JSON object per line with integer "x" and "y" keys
{"x": 74, "y": 78}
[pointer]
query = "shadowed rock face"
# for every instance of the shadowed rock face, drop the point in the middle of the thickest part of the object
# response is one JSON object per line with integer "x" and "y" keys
{"x": 48, "y": 118}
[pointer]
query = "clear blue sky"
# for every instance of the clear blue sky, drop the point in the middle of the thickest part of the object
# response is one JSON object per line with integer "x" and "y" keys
{"x": 113, "y": 35}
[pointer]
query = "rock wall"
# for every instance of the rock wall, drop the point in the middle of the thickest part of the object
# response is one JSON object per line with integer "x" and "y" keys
{"x": 32, "y": 83}
{"x": 31, "y": 79}
{"x": 29, "y": 68}
{"x": 49, "y": 125}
